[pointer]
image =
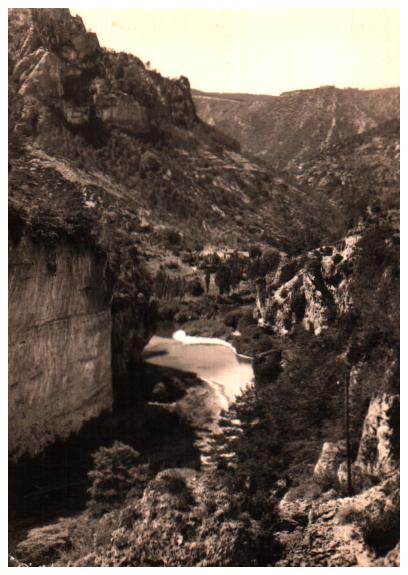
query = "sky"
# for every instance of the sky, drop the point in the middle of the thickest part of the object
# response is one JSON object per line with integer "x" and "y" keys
{"x": 262, "y": 51}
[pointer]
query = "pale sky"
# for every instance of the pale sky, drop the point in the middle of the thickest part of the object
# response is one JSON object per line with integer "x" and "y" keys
{"x": 258, "y": 51}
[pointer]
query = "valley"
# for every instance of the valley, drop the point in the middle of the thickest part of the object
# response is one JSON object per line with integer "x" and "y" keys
{"x": 204, "y": 315}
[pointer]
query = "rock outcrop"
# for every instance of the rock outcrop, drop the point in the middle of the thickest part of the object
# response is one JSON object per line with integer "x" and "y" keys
{"x": 59, "y": 342}
{"x": 103, "y": 111}
{"x": 378, "y": 452}
{"x": 362, "y": 530}
{"x": 311, "y": 290}
{"x": 326, "y": 468}
{"x": 378, "y": 449}
{"x": 60, "y": 71}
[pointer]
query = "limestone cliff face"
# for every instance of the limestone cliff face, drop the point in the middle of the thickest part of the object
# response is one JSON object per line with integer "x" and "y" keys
{"x": 59, "y": 72}
{"x": 378, "y": 455}
{"x": 311, "y": 289}
{"x": 59, "y": 343}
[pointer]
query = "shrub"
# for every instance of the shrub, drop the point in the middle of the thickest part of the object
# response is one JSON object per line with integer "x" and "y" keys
{"x": 347, "y": 514}
{"x": 167, "y": 311}
{"x": 172, "y": 482}
{"x": 255, "y": 252}
{"x": 117, "y": 471}
{"x": 231, "y": 318}
{"x": 172, "y": 237}
{"x": 270, "y": 260}
{"x": 195, "y": 288}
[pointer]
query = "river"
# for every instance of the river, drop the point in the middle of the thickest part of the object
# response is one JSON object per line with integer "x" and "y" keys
{"x": 224, "y": 374}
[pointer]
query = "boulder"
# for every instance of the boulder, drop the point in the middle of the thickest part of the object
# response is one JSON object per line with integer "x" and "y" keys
{"x": 160, "y": 392}
{"x": 326, "y": 468}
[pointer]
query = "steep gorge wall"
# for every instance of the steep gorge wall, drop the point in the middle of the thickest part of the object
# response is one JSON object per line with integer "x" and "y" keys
{"x": 61, "y": 74}
{"x": 59, "y": 342}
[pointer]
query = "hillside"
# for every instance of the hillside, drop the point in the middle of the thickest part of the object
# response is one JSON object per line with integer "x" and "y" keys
{"x": 358, "y": 172}
{"x": 294, "y": 127}
{"x": 105, "y": 113}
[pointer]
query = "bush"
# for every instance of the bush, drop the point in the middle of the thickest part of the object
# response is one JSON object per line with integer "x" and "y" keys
{"x": 172, "y": 237}
{"x": 171, "y": 482}
{"x": 117, "y": 472}
{"x": 195, "y": 288}
{"x": 167, "y": 311}
{"x": 239, "y": 318}
{"x": 347, "y": 514}
{"x": 231, "y": 318}
{"x": 255, "y": 252}
{"x": 270, "y": 260}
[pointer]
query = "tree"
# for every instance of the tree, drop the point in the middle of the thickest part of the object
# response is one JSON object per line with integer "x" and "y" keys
{"x": 223, "y": 278}
{"x": 207, "y": 279}
{"x": 117, "y": 470}
{"x": 347, "y": 429}
{"x": 255, "y": 252}
{"x": 235, "y": 266}
{"x": 270, "y": 260}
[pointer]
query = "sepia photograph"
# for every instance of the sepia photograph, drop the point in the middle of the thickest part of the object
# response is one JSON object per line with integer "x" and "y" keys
{"x": 203, "y": 285}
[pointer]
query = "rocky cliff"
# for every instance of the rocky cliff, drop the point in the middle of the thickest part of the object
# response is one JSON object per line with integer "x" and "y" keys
{"x": 108, "y": 115}
{"x": 59, "y": 342}
{"x": 361, "y": 529}
{"x": 79, "y": 304}
{"x": 56, "y": 60}
{"x": 332, "y": 331}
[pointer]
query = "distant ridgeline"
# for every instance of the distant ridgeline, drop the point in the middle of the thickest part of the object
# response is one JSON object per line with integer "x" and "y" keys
{"x": 287, "y": 130}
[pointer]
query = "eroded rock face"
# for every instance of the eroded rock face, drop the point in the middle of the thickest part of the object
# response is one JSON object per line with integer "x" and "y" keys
{"x": 59, "y": 69}
{"x": 59, "y": 343}
{"x": 378, "y": 454}
{"x": 310, "y": 290}
{"x": 123, "y": 112}
{"x": 326, "y": 468}
{"x": 352, "y": 531}
{"x": 379, "y": 426}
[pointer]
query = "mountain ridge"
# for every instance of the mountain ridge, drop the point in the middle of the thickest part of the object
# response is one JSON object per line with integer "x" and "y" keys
{"x": 295, "y": 126}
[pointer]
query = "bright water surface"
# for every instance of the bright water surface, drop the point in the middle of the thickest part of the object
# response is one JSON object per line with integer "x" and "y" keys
{"x": 225, "y": 375}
